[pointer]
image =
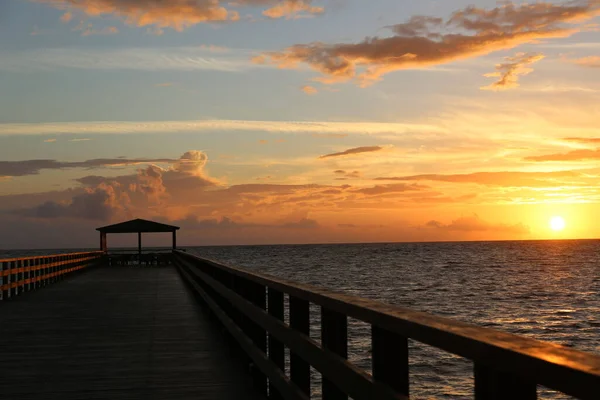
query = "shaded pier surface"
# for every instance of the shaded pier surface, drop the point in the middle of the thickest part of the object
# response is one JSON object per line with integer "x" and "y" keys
{"x": 116, "y": 333}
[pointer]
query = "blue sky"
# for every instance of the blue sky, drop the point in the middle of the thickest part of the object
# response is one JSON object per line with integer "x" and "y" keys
{"x": 78, "y": 86}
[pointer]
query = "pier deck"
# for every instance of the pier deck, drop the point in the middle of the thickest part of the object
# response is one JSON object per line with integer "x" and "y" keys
{"x": 116, "y": 333}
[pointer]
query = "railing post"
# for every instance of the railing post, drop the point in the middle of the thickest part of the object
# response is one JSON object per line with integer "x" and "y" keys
{"x": 390, "y": 359}
{"x": 495, "y": 385}
{"x": 26, "y": 274}
{"x": 276, "y": 348}
{"x": 334, "y": 337}
{"x": 20, "y": 277}
{"x": 258, "y": 296}
{"x": 4, "y": 270}
{"x": 300, "y": 322}
{"x": 37, "y": 273}
{"x": 13, "y": 279}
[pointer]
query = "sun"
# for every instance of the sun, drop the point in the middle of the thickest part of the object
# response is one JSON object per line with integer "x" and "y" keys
{"x": 557, "y": 223}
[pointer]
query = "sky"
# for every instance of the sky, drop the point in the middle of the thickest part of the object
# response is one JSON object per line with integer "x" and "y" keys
{"x": 299, "y": 121}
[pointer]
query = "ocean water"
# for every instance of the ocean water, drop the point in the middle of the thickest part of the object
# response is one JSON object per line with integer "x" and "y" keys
{"x": 547, "y": 290}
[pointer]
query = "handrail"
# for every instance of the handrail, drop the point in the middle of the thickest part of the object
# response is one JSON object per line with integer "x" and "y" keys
{"x": 506, "y": 365}
{"x": 19, "y": 275}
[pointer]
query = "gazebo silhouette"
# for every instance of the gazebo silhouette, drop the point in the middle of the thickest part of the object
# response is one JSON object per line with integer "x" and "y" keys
{"x": 138, "y": 226}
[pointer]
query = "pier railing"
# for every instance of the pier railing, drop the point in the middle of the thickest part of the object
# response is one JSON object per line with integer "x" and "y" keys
{"x": 251, "y": 308}
{"x": 19, "y": 275}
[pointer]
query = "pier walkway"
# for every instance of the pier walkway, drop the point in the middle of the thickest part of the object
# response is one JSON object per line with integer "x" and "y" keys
{"x": 115, "y": 333}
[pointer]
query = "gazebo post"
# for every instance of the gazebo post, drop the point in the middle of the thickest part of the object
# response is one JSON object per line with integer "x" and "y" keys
{"x": 174, "y": 240}
{"x": 103, "y": 241}
{"x": 140, "y": 247}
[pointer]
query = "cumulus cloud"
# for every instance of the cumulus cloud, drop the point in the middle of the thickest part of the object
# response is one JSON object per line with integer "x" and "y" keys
{"x": 574, "y": 155}
{"x": 355, "y": 150}
{"x": 33, "y": 167}
{"x": 102, "y": 203}
{"x": 476, "y": 224}
{"x": 506, "y": 178}
{"x": 181, "y": 14}
{"x": 425, "y": 41}
{"x": 508, "y": 73}
{"x": 309, "y": 89}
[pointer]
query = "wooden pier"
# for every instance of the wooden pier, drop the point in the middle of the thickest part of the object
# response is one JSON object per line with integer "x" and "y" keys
{"x": 74, "y": 327}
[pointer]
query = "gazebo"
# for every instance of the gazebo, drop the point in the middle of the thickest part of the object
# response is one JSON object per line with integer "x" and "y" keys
{"x": 138, "y": 226}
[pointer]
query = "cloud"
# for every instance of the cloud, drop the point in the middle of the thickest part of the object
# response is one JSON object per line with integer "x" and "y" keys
{"x": 575, "y": 155}
{"x": 185, "y": 58}
{"x": 510, "y": 71}
{"x": 49, "y": 140}
{"x": 590, "y": 62}
{"x": 263, "y": 141}
{"x": 108, "y": 30}
{"x": 33, "y": 167}
{"x": 101, "y": 203}
{"x": 293, "y": 9}
{"x": 508, "y": 179}
{"x": 322, "y": 129}
{"x": 355, "y": 150}
{"x": 387, "y": 189}
{"x": 181, "y": 14}
{"x": 66, "y": 17}
{"x": 309, "y": 89}
{"x": 425, "y": 41}
{"x": 348, "y": 174}
{"x": 582, "y": 140}
{"x": 476, "y": 224}
{"x": 193, "y": 223}
{"x": 165, "y": 84}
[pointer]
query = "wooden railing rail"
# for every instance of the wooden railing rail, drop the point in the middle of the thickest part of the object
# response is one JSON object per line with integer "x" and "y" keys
{"x": 251, "y": 306}
{"x": 19, "y": 275}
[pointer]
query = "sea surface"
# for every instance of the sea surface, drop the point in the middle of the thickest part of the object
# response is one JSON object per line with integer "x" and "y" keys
{"x": 547, "y": 290}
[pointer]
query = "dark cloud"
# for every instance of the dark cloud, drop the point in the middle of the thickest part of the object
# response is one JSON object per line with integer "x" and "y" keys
{"x": 386, "y": 189}
{"x": 355, "y": 150}
{"x": 476, "y": 224}
{"x": 33, "y": 167}
{"x": 102, "y": 203}
{"x": 194, "y": 223}
{"x": 425, "y": 41}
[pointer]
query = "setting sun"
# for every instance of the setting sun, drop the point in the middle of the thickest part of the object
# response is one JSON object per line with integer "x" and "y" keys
{"x": 557, "y": 223}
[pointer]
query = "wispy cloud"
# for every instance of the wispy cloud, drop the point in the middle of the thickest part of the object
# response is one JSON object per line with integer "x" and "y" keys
{"x": 337, "y": 129}
{"x": 181, "y": 14}
{"x": 142, "y": 59}
{"x": 309, "y": 89}
{"x": 508, "y": 73}
{"x": 425, "y": 41}
{"x": 591, "y": 62}
{"x": 356, "y": 150}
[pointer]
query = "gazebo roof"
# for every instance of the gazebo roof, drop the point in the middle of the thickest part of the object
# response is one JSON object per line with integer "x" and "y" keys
{"x": 137, "y": 225}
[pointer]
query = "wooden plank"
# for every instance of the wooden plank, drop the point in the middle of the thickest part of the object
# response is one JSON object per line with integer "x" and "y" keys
{"x": 558, "y": 367}
{"x": 116, "y": 333}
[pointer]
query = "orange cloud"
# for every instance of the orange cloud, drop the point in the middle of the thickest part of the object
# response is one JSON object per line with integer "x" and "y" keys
{"x": 509, "y": 72}
{"x": 592, "y": 62}
{"x": 575, "y": 155}
{"x": 507, "y": 179}
{"x": 582, "y": 140}
{"x": 66, "y": 17}
{"x": 425, "y": 41}
{"x": 356, "y": 150}
{"x": 181, "y": 14}
{"x": 309, "y": 89}
{"x": 476, "y": 224}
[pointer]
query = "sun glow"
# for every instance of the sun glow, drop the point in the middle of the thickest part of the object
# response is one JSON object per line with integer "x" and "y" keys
{"x": 557, "y": 223}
